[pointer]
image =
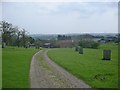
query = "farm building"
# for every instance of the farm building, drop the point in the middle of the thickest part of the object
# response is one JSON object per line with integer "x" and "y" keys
{"x": 31, "y": 45}
{"x": 67, "y": 43}
{"x": 47, "y": 45}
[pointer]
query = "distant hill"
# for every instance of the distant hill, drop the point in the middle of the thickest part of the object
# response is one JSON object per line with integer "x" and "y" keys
{"x": 44, "y": 36}
{"x": 74, "y": 36}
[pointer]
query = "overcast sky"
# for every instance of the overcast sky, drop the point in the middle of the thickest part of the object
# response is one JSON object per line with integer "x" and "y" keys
{"x": 62, "y": 17}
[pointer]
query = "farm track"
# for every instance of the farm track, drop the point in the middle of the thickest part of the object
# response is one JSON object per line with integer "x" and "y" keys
{"x": 44, "y": 73}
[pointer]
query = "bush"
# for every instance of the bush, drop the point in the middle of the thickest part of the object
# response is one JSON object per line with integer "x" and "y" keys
{"x": 88, "y": 44}
{"x": 95, "y": 45}
{"x": 77, "y": 48}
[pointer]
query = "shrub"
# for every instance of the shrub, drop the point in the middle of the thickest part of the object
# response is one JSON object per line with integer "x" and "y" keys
{"x": 88, "y": 43}
{"x": 95, "y": 45}
{"x": 77, "y": 48}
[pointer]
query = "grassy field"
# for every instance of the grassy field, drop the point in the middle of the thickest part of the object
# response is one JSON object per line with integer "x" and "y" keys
{"x": 16, "y": 64}
{"x": 90, "y": 67}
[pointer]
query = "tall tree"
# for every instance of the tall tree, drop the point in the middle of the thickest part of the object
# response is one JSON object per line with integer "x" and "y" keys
{"x": 23, "y": 34}
{"x": 7, "y": 32}
{"x": 18, "y": 34}
{"x": 12, "y": 35}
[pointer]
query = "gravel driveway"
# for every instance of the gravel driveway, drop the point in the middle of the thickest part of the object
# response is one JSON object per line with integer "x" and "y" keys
{"x": 44, "y": 73}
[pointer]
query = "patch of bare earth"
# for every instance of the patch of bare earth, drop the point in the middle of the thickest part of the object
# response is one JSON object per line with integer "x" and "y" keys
{"x": 44, "y": 73}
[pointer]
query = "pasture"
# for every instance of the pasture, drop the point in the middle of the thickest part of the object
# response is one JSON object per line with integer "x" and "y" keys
{"x": 89, "y": 67}
{"x": 16, "y": 65}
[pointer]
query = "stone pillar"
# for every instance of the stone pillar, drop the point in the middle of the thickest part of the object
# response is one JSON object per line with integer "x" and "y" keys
{"x": 106, "y": 54}
{"x": 80, "y": 50}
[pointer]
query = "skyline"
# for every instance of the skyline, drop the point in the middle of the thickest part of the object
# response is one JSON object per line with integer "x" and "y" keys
{"x": 62, "y": 17}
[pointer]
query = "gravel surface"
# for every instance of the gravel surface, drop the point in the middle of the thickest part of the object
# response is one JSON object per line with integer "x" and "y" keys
{"x": 44, "y": 73}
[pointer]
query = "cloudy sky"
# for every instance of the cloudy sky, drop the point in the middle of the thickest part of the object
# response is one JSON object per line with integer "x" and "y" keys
{"x": 62, "y": 17}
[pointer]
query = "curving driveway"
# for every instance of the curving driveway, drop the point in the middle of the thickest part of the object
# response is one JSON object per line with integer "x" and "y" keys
{"x": 44, "y": 73}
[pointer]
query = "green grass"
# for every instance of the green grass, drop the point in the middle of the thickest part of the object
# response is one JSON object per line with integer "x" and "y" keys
{"x": 16, "y": 65}
{"x": 90, "y": 67}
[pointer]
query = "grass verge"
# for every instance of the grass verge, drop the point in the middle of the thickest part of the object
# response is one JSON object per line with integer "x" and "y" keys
{"x": 16, "y": 65}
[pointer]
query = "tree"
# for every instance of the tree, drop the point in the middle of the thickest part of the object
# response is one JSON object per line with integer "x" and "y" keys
{"x": 86, "y": 41}
{"x": 24, "y": 38}
{"x": 12, "y": 35}
{"x": 31, "y": 40}
{"x": 59, "y": 37}
{"x": 7, "y": 32}
{"x": 64, "y": 37}
{"x": 18, "y": 33}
